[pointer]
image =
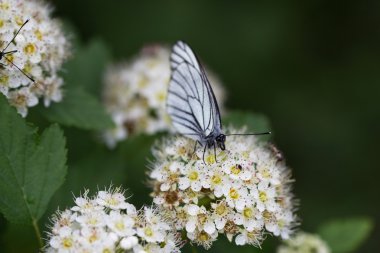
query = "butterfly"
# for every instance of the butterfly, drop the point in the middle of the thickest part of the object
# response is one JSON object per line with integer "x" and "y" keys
{"x": 4, "y": 54}
{"x": 191, "y": 102}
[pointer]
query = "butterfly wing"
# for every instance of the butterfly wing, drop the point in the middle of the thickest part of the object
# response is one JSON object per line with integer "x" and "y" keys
{"x": 191, "y": 102}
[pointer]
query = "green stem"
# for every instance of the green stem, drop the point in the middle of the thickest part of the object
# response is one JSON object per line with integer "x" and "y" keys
{"x": 38, "y": 233}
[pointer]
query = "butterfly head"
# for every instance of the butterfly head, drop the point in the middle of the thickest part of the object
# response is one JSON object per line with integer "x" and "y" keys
{"x": 220, "y": 141}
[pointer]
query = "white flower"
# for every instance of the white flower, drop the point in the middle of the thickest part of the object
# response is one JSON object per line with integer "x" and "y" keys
{"x": 65, "y": 240}
{"x": 121, "y": 224}
{"x": 265, "y": 197}
{"x": 135, "y": 94}
{"x": 151, "y": 228}
{"x": 243, "y": 193}
{"x": 22, "y": 99}
{"x": 281, "y": 224}
{"x": 304, "y": 243}
{"x": 89, "y": 237}
{"x": 40, "y": 49}
{"x": 250, "y": 218}
{"x": 252, "y": 238}
{"x": 129, "y": 242}
{"x": 221, "y": 214}
{"x": 114, "y": 200}
{"x": 216, "y": 181}
{"x": 236, "y": 195}
{"x": 105, "y": 223}
{"x": 92, "y": 219}
{"x": 199, "y": 219}
{"x": 63, "y": 220}
{"x": 193, "y": 177}
{"x": 85, "y": 204}
{"x": 202, "y": 238}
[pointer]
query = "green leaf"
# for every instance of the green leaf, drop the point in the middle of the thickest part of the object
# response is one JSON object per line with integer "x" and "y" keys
{"x": 255, "y": 123}
{"x": 79, "y": 109}
{"x": 86, "y": 69}
{"x": 32, "y": 167}
{"x": 346, "y": 235}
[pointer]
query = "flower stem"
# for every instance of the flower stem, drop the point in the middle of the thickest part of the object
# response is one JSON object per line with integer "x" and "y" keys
{"x": 38, "y": 233}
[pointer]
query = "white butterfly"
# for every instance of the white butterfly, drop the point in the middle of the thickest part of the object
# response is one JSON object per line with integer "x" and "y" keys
{"x": 191, "y": 102}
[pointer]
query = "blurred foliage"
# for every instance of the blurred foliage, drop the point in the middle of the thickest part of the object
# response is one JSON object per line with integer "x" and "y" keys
{"x": 83, "y": 77}
{"x": 345, "y": 235}
{"x": 311, "y": 67}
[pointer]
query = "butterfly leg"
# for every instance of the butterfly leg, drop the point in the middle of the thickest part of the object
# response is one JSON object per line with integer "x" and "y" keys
{"x": 215, "y": 152}
{"x": 195, "y": 148}
{"x": 204, "y": 151}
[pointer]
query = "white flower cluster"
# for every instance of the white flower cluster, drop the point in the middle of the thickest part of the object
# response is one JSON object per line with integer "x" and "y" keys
{"x": 107, "y": 223}
{"x": 135, "y": 94}
{"x": 304, "y": 243}
{"x": 41, "y": 50}
{"x": 242, "y": 193}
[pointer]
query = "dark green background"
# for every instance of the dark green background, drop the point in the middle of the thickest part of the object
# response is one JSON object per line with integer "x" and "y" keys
{"x": 313, "y": 67}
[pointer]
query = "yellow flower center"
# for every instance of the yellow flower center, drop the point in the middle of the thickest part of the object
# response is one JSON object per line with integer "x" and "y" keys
{"x": 19, "y": 20}
{"x": 263, "y": 196}
{"x": 252, "y": 234}
{"x": 38, "y": 34}
{"x": 191, "y": 194}
{"x": 4, "y": 6}
{"x": 245, "y": 154}
{"x": 28, "y": 67}
{"x": 203, "y": 236}
{"x": 93, "y": 221}
{"x": 193, "y": 176}
{"x": 221, "y": 209}
{"x": 20, "y": 100}
{"x": 30, "y": 48}
{"x": 182, "y": 215}
{"x": 181, "y": 150}
{"x": 92, "y": 238}
{"x": 267, "y": 215}
{"x": 152, "y": 63}
{"x": 67, "y": 243}
{"x": 4, "y": 79}
{"x": 10, "y": 57}
{"x": 216, "y": 179}
{"x": 112, "y": 202}
{"x": 161, "y": 96}
{"x": 265, "y": 173}
{"x": 1, "y": 23}
{"x": 234, "y": 194}
{"x": 107, "y": 251}
{"x": 202, "y": 218}
{"x": 281, "y": 223}
{"x": 210, "y": 159}
{"x": 143, "y": 82}
{"x": 120, "y": 225}
{"x": 148, "y": 232}
{"x": 236, "y": 169}
{"x": 247, "y": 212}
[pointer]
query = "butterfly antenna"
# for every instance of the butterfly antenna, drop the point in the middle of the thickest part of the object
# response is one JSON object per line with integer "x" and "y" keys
{"x": 10, "y": 52}
{"x": 264, "y": 133}
{"x": 29, "y": 77}
{"x": 2, "y": 52}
